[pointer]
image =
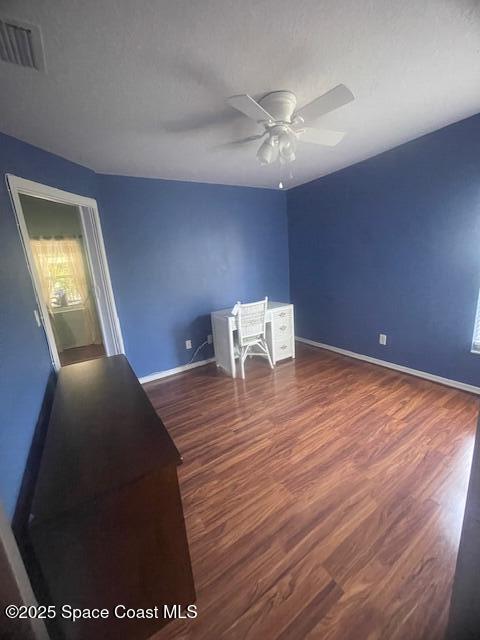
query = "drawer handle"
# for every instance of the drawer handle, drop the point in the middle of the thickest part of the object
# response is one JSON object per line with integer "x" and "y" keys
{"x": 282, "y": 314}
{"x": 283, "y": 327}
{"x": 284, "y": 346}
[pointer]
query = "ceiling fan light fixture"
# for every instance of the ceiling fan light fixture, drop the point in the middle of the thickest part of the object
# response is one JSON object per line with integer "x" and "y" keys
{"x": 286, "y": 147}
{"x": 288, "y": 155}
{"x": 267, "y": 152}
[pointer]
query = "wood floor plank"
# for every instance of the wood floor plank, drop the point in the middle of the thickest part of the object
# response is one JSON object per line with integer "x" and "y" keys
{"x": 278, "y": 608}
{"x": 323, "y": 499}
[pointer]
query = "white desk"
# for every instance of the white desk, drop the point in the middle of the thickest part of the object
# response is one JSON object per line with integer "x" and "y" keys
{"x": 280, "y": 335}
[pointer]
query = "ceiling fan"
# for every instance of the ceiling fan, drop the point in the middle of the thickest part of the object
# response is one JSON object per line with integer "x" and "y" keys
{"x": 284, "y": 125}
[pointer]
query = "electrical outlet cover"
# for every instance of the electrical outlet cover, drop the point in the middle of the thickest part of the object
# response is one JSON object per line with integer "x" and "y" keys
{"x": 188, "y": 344}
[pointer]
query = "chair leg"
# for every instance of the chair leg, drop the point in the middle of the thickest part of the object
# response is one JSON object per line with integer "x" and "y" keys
{"x": 242, "y": 364}
{"x": 268, "y": 355}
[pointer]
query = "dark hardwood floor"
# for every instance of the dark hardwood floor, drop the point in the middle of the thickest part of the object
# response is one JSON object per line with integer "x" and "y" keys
{"x": 81, "y": 354}
{"x": 323, "y": 499}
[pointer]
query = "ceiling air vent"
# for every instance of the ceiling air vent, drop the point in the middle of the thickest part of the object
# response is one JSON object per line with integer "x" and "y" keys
{"x": 21, "y": 44}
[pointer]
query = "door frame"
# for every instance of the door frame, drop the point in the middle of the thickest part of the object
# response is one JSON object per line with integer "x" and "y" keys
{"x": 94, "y": 245}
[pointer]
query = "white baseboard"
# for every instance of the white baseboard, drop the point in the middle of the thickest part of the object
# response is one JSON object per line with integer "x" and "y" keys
{"x": 172, "y": 372}
{"x": 391, "y": 365}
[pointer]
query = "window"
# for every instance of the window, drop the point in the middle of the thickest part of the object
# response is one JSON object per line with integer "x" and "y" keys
{"x": 61, "y": 269}
{"x": 476, "y": 330}
{"x": 63, "y": 287}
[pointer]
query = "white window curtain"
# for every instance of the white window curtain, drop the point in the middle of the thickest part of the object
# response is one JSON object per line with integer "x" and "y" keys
{"x": 63, "y": 278}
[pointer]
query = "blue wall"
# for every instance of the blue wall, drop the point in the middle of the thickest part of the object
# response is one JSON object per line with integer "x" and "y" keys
{"x": 24, "y": 359}
{"x": 392, "y": 245}
{"x": 179, "y": 250}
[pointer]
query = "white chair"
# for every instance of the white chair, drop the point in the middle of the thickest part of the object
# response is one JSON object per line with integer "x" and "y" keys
{"x": 251, "y": 321}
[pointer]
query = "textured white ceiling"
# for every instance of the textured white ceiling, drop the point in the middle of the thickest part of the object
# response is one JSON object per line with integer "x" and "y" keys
{"x": 138, "y": 87}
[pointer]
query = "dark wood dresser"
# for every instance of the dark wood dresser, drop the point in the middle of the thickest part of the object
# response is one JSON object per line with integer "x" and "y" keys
{"x": 464, "y": 615}
{"x": 106, "y": 525}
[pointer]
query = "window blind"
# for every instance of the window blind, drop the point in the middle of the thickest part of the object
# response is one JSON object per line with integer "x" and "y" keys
{"x": 476, "y": 329}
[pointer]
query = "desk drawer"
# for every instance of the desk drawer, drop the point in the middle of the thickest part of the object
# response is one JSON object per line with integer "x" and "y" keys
{"x": 283, "y": 349}
{"x": 282, "y": 314}
{"x": 282, "y": 328}
{"x": 282, "y": 333}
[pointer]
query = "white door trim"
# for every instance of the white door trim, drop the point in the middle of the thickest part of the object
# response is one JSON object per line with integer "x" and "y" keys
{"x": 88, "y": 210}
{"x": 18, "y": 580}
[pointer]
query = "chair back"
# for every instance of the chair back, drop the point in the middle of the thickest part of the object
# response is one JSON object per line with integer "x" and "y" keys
{"x": 251, "y": 320}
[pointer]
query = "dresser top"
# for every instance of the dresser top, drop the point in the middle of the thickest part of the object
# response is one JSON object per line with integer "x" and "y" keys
{"x": 103, "y": 433}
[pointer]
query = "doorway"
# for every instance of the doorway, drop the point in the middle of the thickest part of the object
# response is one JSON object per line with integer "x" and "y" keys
{"x": 63, "y": 245}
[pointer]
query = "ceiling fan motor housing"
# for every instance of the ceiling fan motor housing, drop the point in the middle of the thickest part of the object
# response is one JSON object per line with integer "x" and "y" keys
{"x": 280, "y": 105}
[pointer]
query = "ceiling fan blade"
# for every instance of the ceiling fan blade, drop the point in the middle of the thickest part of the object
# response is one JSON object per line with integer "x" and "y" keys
{"x": 237, "y": 143}
{"x": 326, "y": 137}
{"x": 333, "y": 99}
{"x": 249, "y": 107}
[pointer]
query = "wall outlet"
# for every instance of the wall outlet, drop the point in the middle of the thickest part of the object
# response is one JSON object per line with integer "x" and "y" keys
{"x": 382, "y": 338}
{"x": 188, "y": 344}
{"x": 209, "y": 338}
